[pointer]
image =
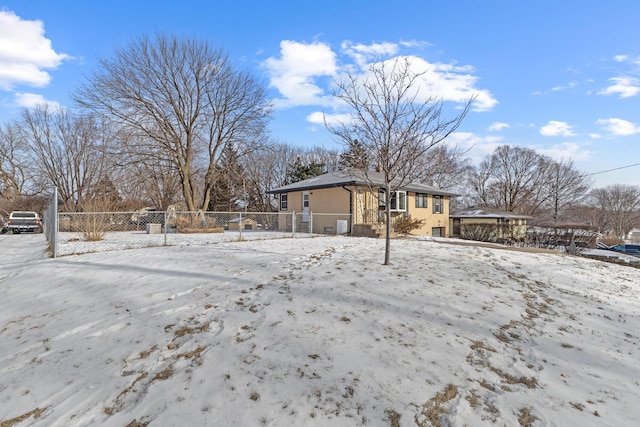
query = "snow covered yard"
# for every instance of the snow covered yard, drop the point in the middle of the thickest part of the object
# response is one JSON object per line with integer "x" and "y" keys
{"x": 316, "y": 332}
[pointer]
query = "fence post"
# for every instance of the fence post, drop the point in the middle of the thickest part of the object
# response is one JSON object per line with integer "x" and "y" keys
{"x": 240, "y": 226}
{"x": 311, "y": 223}
{"x": 165, "y": 228}
{"x": 54, "y": 215}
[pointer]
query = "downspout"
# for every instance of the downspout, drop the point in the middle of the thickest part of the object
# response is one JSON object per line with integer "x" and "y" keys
{"x": 350, "y": 208}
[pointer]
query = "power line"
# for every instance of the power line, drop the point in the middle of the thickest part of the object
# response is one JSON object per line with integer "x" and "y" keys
{"x": 614, "y": 169}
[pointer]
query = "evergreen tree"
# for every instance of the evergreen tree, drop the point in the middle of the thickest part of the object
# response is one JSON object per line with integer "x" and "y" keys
{"x": 228, "y": 190}
{"x": 356, "y": 157}
{"x": 300, "y": 171}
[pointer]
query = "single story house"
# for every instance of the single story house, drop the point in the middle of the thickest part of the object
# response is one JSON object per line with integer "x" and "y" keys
{"x": 504, "y": 224}
{"x": 358, "y": 197}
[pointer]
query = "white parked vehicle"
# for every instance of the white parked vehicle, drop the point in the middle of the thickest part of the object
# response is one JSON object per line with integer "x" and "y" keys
{"x": 24, "y": 221}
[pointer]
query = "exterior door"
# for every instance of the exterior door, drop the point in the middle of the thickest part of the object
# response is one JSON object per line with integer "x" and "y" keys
{"x": 456, "y": 227}
{"x": 305, "y": 206}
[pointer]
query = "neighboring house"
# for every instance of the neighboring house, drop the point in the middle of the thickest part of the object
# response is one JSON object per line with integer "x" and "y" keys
{"x": 361, "y": 199}
{"x": 634, "y": 236}
{"x": 505, "y": 225}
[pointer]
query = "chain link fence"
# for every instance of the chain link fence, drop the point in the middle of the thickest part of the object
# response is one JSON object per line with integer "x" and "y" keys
{"x": 75, "y": 233}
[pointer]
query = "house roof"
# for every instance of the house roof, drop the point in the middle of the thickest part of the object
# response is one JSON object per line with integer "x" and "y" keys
{"x": 355, "y": 177}
{"x": 485, "y": 212}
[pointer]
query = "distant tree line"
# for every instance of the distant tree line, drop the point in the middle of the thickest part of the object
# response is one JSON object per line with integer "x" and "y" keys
{"x": 168, "y": 120}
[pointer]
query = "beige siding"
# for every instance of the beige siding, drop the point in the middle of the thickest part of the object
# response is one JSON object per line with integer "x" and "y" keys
{"x": 329, "y": 200}
{"x": 432, "y": 220}
{"x": 365, "y": 208}
{"x": 333, "y": 201}
{"x": 321, "y": 201}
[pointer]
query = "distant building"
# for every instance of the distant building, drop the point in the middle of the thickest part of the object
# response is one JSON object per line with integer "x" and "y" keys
{"x": 634, "y": 236}
{"x": 503, "y": 225}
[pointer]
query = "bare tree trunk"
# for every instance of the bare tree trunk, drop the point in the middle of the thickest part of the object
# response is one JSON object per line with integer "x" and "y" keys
{"x": 387, "y": 214}
{"x": 395, "y": 123}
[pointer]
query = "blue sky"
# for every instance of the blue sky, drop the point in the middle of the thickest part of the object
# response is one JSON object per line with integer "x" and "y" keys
{"x": 561, "y": 77}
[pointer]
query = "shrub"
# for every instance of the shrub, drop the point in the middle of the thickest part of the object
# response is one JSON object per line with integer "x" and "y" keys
{"x": 479, "y": 232}
{"x": 406, "y": 224}
{"x": 94, "y": 222}
{"x": 197, "y": 222}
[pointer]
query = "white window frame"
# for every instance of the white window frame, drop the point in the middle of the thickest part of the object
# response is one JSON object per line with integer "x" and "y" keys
{"x": 284, "y": 201}
{"x": 399, "y": 198}
{"x": 382, "y": 200}
{"x": 438, "y": 204}
{"x": 396, "y": 196}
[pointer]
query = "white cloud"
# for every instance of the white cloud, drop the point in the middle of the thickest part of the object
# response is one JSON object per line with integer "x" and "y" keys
{"x": 363, "y": 54}
{"x": 414, "y": 43}
{"x": 319, "y": 118}
{"x": 478, "y": 147}
{"x": 625, "y": 87}
{"x": 619, "y": 127}
{"x": 294, "y": 74}
{"x": 567, "y": 150}
{"x": 628, "y": 59}
{"x": 569, "y": 85}
{"x": 498, "y": 126}
{"x": 555, "y": 128}
{"x": 304, "y": 72}
{"x": 25, "y": 53}
{"x": 450, "y": 83}
{"x": 29, "y": 100}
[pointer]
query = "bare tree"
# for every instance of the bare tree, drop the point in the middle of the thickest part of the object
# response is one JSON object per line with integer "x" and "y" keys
{"x": 265, "y": 169}
{"x": 444, "y": 165}
{"x": 567, "y": 187}
{"x": 68, "y": 149}
{"x": 321, "y": 155}
{"x": 618, "y": 208}
{"x": 184, "y": 96}
{"x": 394, "y": 123}
{"x": 145, "y": 172}
{"x": 513, "y": 179}
{"x": 13, "y": 162}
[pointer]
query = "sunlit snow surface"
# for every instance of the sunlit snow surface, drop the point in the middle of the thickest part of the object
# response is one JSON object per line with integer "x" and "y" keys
{"x": 316, "y": 332}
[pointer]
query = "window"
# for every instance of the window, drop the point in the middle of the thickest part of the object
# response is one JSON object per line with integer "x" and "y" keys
{"x": 437, "y": 231}
{"x": 421, "y": 200}
{"x": 437, "y": 204}
{"x": 284, "y": 202}
{"x": 398, "y": 200}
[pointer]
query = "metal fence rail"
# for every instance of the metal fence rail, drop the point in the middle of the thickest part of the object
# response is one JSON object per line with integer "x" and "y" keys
{"x": 82, "y": 232}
